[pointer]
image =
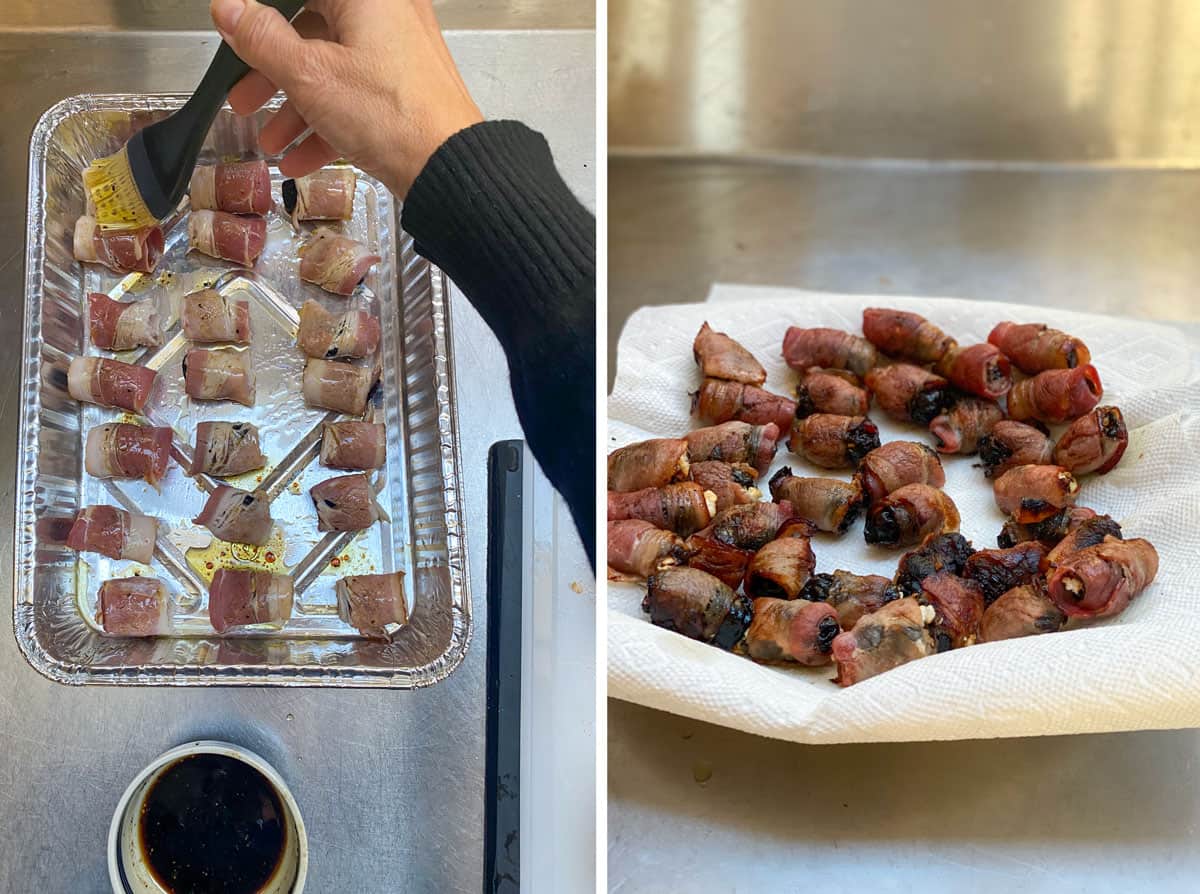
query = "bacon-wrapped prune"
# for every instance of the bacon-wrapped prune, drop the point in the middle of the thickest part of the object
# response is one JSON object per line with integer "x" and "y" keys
{"x": 780, "y": 569}
{"x": 910, "y": 514}
{"x": 960, "y": 428}
{"x": 1057, "y": 395}
{"x": 833, "y": 442}
{"x": 722, "y": 560}
{"x": 1048, "y": 531}
{"x": 999, "y": 570}
{"x": 945, "y": 552}
{"x": 684, "y": 507}
{"x": 645, "y": 464}
{"x": 1034, "y": 347}
{"x": 828, "y": 348}
{"x": 882, "y": 640}
{"x": 752, "y": 525}
{"x": 978, "y": 369}
{"x": 906, "y": 335}
{"x": 1010, "y": 444}
{"x": 794, "y": 630}
{"x": 1080, "y": 535}
{"x": 830, "y": 391}
{"x": 1022, "y": 611}
{"x": 895, "y": 464}
{"x": 851, "y": 595}
{"x": 735, "y": 442}
{"x": 731, "y": 483}
{"x": 909, "y": 393}
{"x": 721, "y": 401}
{"x": 720, "y": 357}
{"x": 1032, "y": 493}
{"x": 958, "y": 608}
{"x": 637, "y": 549}
{"x": 1100, "y": 581}
{"x": 830, "y": 504}
{"x": 697, "y": 605}
{"x": 1093, "y": 443}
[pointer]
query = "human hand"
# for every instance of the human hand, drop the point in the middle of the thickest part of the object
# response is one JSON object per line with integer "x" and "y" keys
{"x": 372, "y": 78}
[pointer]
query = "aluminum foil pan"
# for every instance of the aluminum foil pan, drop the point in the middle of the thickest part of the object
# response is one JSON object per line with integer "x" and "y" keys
{"x": 56, "y": 589}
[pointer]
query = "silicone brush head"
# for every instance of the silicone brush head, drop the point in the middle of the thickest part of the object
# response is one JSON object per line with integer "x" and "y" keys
{"x": 123, "y": 190}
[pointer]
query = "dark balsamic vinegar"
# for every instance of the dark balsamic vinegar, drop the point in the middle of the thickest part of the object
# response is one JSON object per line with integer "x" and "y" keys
{"x": 212, "y": 824}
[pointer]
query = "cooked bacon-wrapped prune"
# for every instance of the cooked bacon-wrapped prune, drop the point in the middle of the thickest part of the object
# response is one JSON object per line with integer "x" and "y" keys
{"x": 1022, "y": 611}
{"x": 697, "y": 605}
{"x": 1032, "y": 493}
{"x": 1034, "y": 347}
{"x": 905, "y": 335}
{"x": 721, "y": 401}
{"x": 910, "y": 514}
{"x": 1100, "y": 581}
{"x": 833, "y": 442}
{"x": 722, "y": 560}
{"x": 895, "y": 464}
{"x": 830, "y": 504}
{"x": 781, "y": 568}
{"x": 645, "y": 464}
{"x": 1010, "y": 444}
{"x": 637, "y": 549}
{"x": 792, "y": 630}
{"x": 958, "y": 608}
{"x": 999, "y": 570}
{"x": 909, "y": 393}
{"x": 684, "y": 507}
{"x": 978, "y": 369}
{"x": 851, "y": 595}
{"x": 1093, "y": 443}
{"x": 735, "y": 442}
{"x": 1057, "y": 395}
{"x": 963, "y": 425}
{"x": 945, "y": 552}
{"x": 731, "y": 483}
{"x": 1081, "y": 534}
{"x": 752, "y": 525}
{"x": 720, "y": 357}
{"x": 882, "y": 640}
{"x": 830, "y": 391}
{"x": 1048, "y": 531}
{"x": 829, "y": 348}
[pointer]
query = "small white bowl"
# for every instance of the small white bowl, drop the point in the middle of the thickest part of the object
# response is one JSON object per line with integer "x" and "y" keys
{"x": 127, "y": 869}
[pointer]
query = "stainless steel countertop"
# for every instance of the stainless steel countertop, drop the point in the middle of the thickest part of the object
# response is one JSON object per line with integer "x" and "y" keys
{"x": 700, "y": 808}
{"x": 390, "y": 783}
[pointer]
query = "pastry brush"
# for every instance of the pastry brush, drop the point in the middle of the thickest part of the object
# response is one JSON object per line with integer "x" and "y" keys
{"x": 144, "y": 182}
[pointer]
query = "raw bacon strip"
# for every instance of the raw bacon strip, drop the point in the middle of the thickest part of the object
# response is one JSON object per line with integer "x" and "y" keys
{"x": 978, "y": 369}
{"x": 698, "y": 606}
{"x": 820, "y": 391}
{"x": 828, "y": 348}
{"x": 798, "y": 631}
{"x": 959, "y": 429}
{"x": 238, "y": 597}
{"x": 237, "y": 515}
{"x": 895, "y": 464}
{"x": 958, "y": 608}
{"x": 882, "y": 640}
{"x": 1032, "y": 493}
{"x": 208, "y": 316}
{"x": 999, "y": 570}
{"x": 339, "y": 386}
{"x": 115, "y": 533}
{"x": 350, "y": 336}
{"x": 1022, "y": 611}
{"x": 346, "y": 503}
{"x": 828, "y": 503}
{"x": 1093, "y": 443}
{"x": 945, "y": 552}
{"x": 735, "y": 442}
{"x": 909, "y": 393}
{"x": 335, "y": 263}
{"x": 122, "y": 251}
{"x": 720, "y": 357}
{"x": 1080, "y": 535}
{"x": 1100, "y": 581}
{"x": 731, "y": 483}
{"x": 721, "y": 401}
{"x": 1057, "y": 395}
{"x": 134, "y": 606}
{"x": 780, "y": 569}
{"x": 224, "y": 449}
{"x": 752, "y": 526}
{"x": 650, "y": 463}
{"x": 833, "y": 442}
{"x": 637, "y": 549}
{"x": 1010, "y": 444}
{"x": 910, "y": 514}
{"x": 372, "y": 602}
{"x": 124, "y": 450}
{"x": 219, "y": 374}
{"x": 110, "y": 383}
{"x": 354, "y": 446}
{"x": 851, "y": 595}
{"x": 230, "y": 237}
{"x": 327, "y": 194}
{"x": 242, "y": 187}
{"x": 1034, "y": 347}
{"x": 684, "y": 508}
{"x": 905, "y": 335}
{"x": 123, "y": 325}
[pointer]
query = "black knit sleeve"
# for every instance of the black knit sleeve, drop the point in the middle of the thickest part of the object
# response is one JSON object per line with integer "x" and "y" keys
{"x": 491, "y": 210}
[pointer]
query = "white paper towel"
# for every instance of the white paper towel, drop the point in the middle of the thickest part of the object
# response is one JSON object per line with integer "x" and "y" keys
{"x": 1138, "y": 671}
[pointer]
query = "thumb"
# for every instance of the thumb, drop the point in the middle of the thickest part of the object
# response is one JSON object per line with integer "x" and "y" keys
{"x": 261, "y": 37}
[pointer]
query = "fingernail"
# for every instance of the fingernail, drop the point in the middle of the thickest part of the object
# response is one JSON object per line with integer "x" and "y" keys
{"x": 226, "y": 13}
